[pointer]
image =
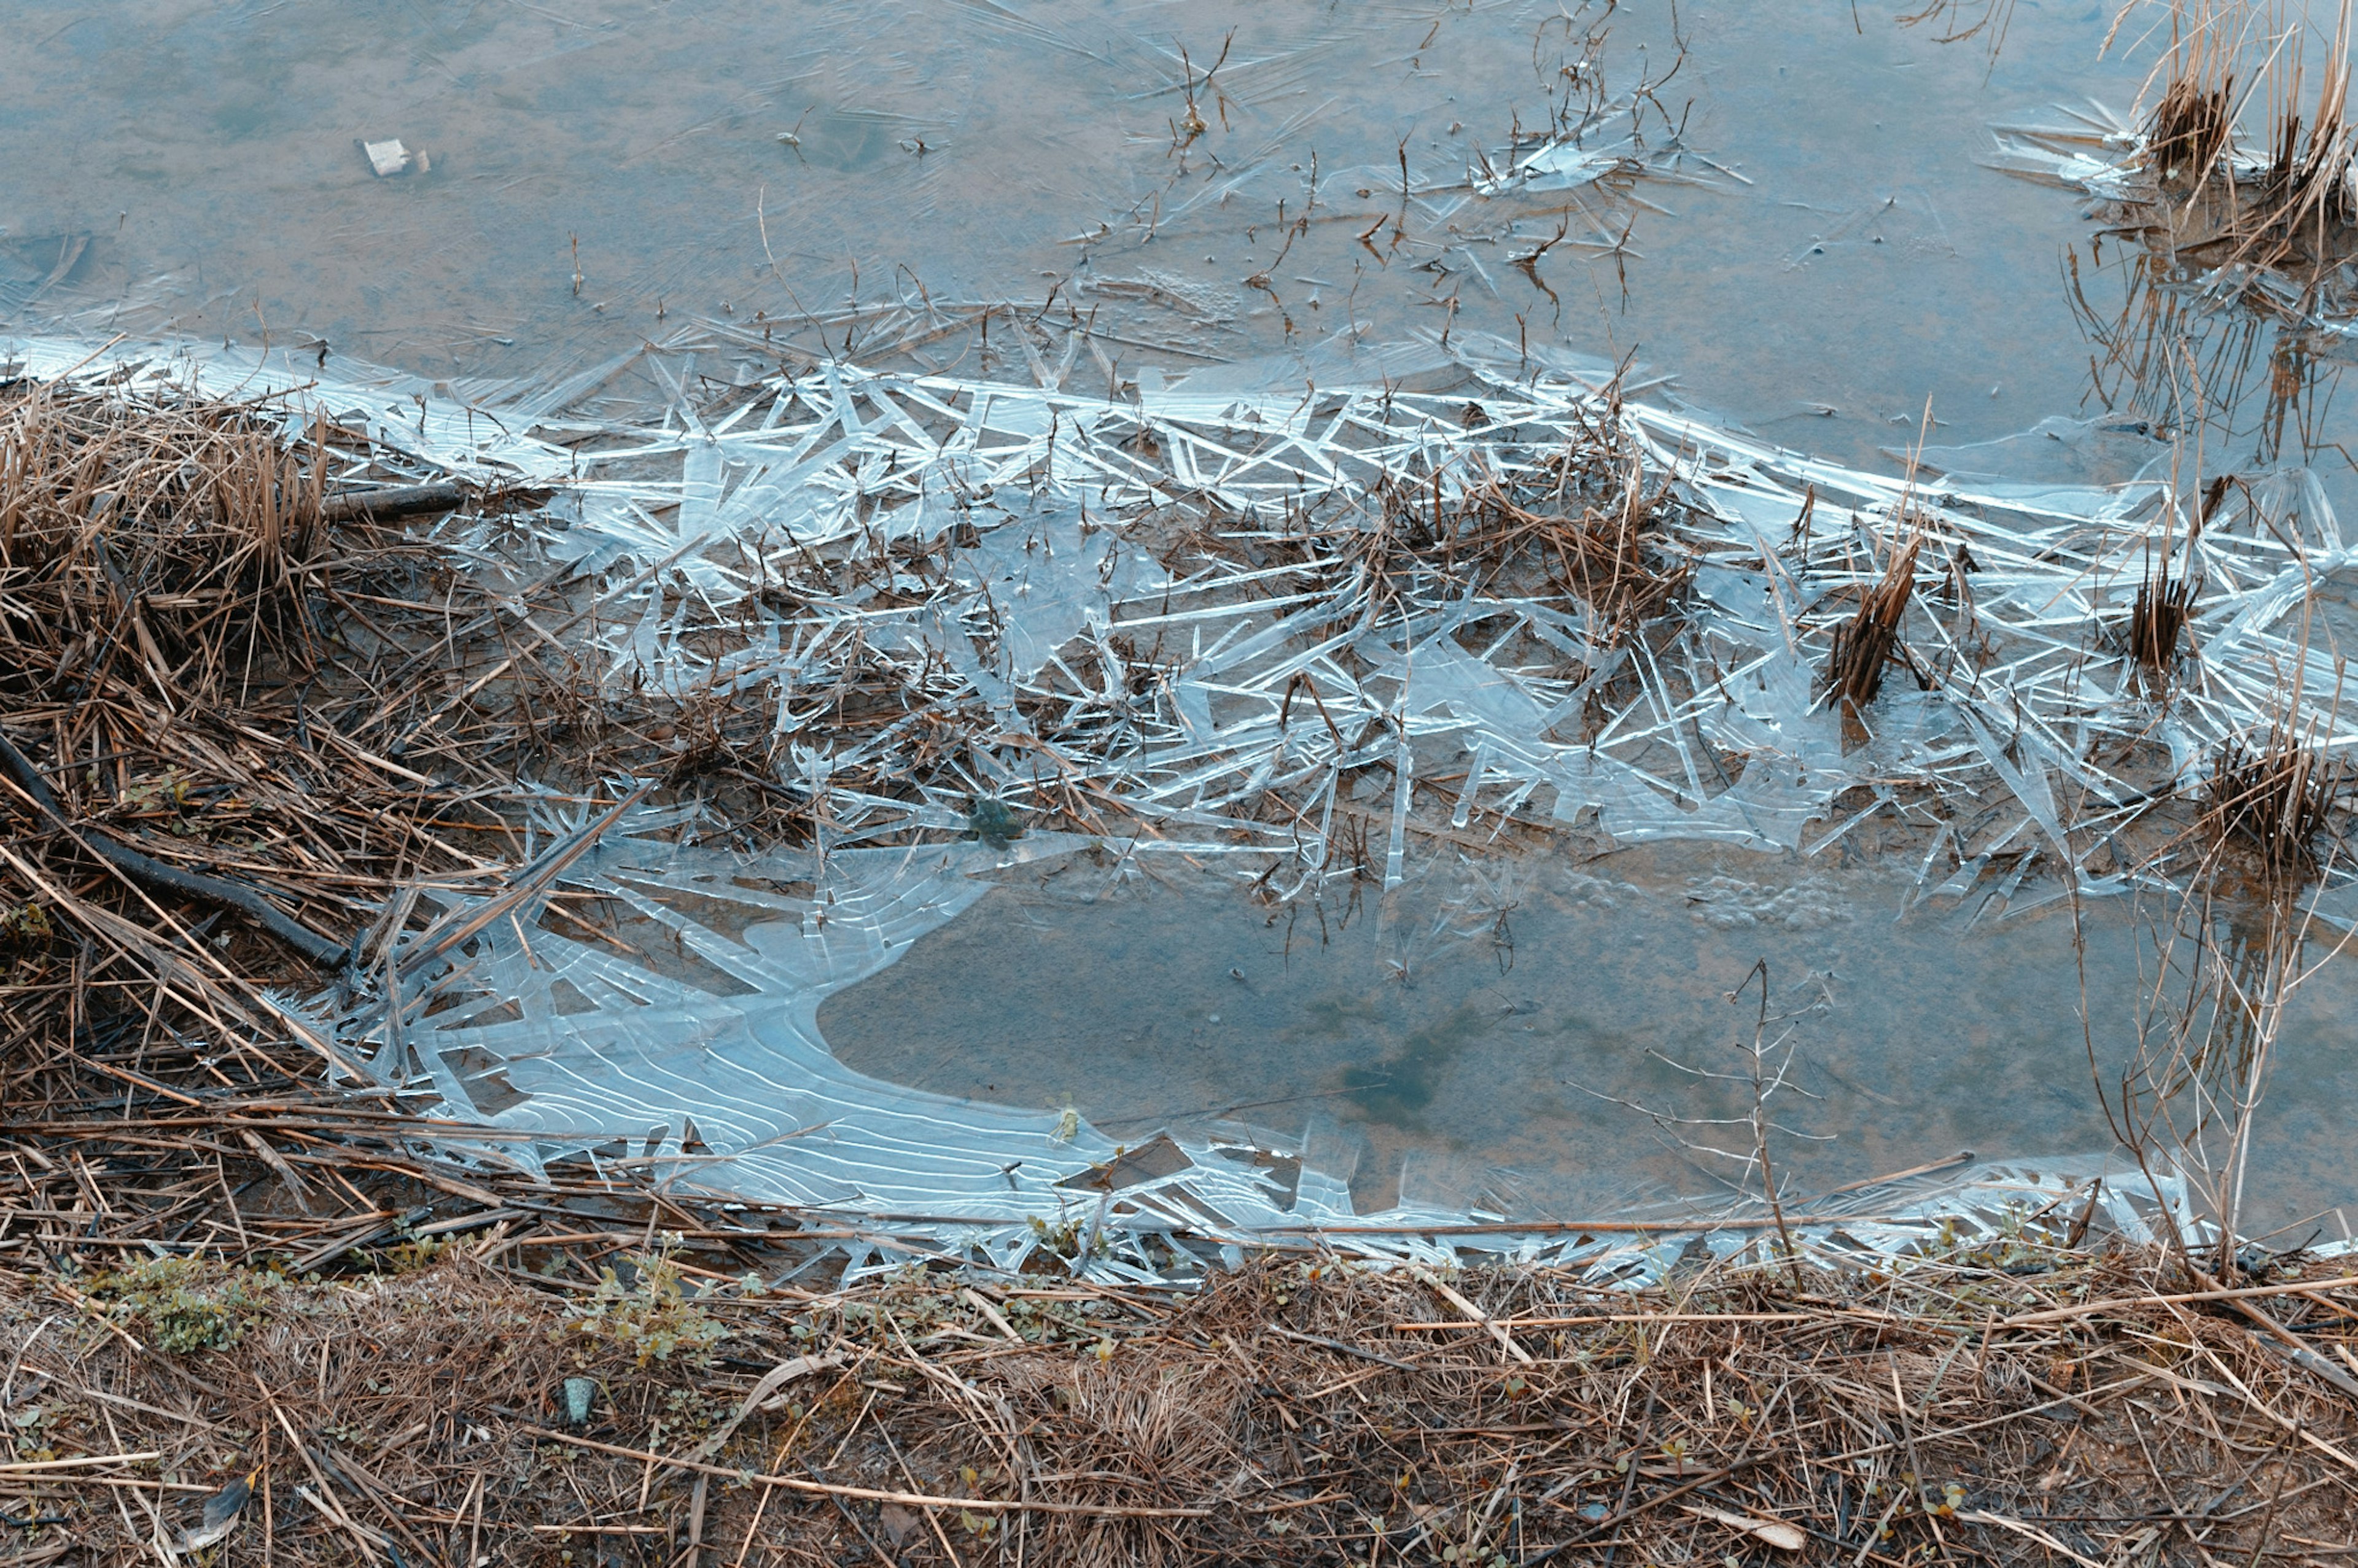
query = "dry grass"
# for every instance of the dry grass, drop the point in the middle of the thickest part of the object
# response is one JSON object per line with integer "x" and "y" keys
{"x": 1601, "y": 521}
{"x": 1866, "y": 644}
{"x": 173, "y": 587}
{"x": 249, "y": 693}
{"x": 2272, "y": 803}
{"x": 311, "y": 708}
{"x": 2157, "y": 620}
{"x": 180, "y": 543}
{"x": 1972, "y": 1409}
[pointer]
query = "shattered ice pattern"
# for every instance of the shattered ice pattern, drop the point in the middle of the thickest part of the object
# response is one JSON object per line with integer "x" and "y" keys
{"x": 1713, "y": 727}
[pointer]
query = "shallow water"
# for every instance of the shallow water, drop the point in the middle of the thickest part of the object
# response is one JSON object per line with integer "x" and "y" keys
{"x": 1845, "y": 254}
{"x": 1825, "y": 257}
{"x": 1467, "y": 1060}
{"x": 1815, "y": 249}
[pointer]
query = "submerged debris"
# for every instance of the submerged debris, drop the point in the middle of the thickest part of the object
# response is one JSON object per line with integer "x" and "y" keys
{"x": 988, "y": 819}
{"x": 389, "y": 158}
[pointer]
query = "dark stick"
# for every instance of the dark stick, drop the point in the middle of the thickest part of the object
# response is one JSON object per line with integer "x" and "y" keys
{"x": 395, "y": 501}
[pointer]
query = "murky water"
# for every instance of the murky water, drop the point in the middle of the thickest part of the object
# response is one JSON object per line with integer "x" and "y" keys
{"x": 1501, "y": 1035}
{"x": 1813, "y": 250}
{"x": 1838, "y": 258}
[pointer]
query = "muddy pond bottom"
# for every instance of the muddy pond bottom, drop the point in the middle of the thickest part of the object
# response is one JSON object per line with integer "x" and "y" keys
{"x": 1531, "y": 1039}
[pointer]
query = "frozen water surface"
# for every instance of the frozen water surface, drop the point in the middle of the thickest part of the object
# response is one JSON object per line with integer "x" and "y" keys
{"x": 1263, "y": 255}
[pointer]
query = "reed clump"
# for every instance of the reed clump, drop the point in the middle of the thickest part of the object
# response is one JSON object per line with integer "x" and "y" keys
{"x": 2273, "y": 801}
{"x": 1611, "y": 553}
{"x": 2211, "y": 212}
{"x": 2157, "y": 620}
{"x": 2309, "y": 168}
{"x": 1592, "y": 525}
{"x": 1869, "y": 640}
{"x": 176, "y": 540}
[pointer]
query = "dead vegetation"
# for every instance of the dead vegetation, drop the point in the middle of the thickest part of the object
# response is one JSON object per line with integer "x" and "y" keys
{"x": 2189, "y": 128}
{"x": 1591, "y": 527}
{"x": 632, "y": 1407}
{"x": 2158, "y": 620}
{"x": 2284, "y": 220}
{"x": 2272, "y": 802}
{"x": 2231, "y": 206}
{"x": 1959, "y": 21}
{"x": 1606, "y": 524}
{"x": 1868, "y": 643}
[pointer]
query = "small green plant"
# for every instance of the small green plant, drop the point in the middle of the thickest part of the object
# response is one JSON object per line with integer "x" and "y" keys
{"x": 653, "y": 1317}
{"x": 186, "y": 1305}
{"x": 167, "y": 794}
{"x": 411, "y": 1256}
{"x": 155, "y": 794}
{"x": 1064, "y": 1239}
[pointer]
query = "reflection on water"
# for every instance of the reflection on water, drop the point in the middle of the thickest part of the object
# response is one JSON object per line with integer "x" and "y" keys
{"x": 2256, "y": 387}
{"x": 1812, "y": 248}
{"x": 1503, "y": 1041}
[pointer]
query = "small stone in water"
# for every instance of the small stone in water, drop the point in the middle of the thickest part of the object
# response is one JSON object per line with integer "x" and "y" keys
{"x": 990, "y": 821}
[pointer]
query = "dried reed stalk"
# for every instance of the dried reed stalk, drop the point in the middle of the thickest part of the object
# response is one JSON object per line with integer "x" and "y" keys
{"x": 1869, "y": 640}
{"x": 2273, "y": 800}
{"x": 2158, "y": 622}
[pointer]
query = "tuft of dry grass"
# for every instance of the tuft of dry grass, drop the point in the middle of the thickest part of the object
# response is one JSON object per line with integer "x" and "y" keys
{"x": 2157, "y": 620}
{"x": 1869, "y": 640}
{"x": 175, "y": 543}
{"x": 2190, "y": 129}
{"x": 2273, "y": 801}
